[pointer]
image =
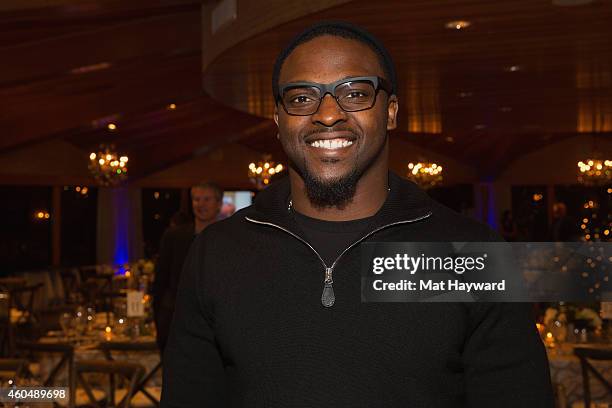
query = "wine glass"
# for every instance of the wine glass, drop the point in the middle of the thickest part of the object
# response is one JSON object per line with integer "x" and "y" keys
{"x": 80, "y": 320}
{"x": 65, "y": 321}
{"x": 91, "y": 317}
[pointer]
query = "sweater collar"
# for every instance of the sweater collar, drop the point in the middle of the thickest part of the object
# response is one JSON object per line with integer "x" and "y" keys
{"x": 406, "y": 201}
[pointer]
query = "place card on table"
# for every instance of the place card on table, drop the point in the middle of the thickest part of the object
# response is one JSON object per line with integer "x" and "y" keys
{"x": 606, "y": 310}
{"x": 135, "y": 304}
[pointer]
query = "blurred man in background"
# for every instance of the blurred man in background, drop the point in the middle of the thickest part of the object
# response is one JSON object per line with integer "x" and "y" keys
{"x": 206, "y": 201}
{"x": 563, "y": 228}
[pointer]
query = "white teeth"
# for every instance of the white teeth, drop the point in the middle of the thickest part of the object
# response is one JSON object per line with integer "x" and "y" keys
{"x": 331, "y": 144}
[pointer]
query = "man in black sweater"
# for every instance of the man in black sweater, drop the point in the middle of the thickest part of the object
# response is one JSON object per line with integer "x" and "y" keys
{"x": 269, "y": 312}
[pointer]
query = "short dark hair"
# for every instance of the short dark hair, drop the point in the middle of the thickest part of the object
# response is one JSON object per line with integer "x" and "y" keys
{"x": 209, "y": 185}
{"x": 338, "y": 29}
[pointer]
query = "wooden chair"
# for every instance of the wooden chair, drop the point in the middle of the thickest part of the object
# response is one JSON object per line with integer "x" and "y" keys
{"x": 11, "y": 368}
{"x": 18, "y": 297}
{"x": 23, "y": 299}
{"x": 132, "y": 372}
{"x": 98, "y": 290}
{"x": 594, "y": 354}
{"x": 66, "y": 362}
{"x": 6, "y": 328}
{"x": 11, "y": 282}
{"x": 560, "y": 396}
{"x": 70, "y": 284}
{"x": 108, "y": 348}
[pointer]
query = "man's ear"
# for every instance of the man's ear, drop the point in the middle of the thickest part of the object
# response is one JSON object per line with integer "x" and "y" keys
{"x": 392, "y": 107}
{"x": 276, "y": 114}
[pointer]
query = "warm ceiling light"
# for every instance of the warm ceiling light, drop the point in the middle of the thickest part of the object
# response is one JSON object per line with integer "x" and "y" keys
{"x": 111, "y": 126}
{"x": 425, "y": 174}
{"x": 457, "y": 25}
{"x": 111, "y": 168}
{"x": 172, "y": 106}
{"x": 91, "y": 68}
{"x": 593, "y": 171}
{"x": 465, "y": 94}
{"x": 261, "y": 173}
{"x": 512, "y": 68}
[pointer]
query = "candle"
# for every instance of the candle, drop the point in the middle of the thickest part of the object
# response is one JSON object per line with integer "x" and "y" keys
{"x": 550, "y": 340}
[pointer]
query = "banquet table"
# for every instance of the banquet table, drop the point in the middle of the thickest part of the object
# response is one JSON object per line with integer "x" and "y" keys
{"x": 565, "y": 369}
{"x": 90, "y": 347}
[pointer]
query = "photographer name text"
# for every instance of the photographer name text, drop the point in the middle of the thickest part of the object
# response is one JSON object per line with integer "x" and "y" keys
{"x": 438, "y": 286}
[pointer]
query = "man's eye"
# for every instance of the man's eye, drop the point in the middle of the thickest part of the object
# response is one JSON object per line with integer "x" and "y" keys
{"x": 356, "y": 94}
{"x": 301, "y": 99}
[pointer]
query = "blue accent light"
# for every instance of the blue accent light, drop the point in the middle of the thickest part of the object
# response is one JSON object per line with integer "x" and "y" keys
{"x": 491, "y": 213}
{"x": 121, "y": 207}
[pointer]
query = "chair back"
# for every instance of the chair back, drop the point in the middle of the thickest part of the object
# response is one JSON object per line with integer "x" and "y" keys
{"x": 29, "y": 349}
{"x": 11, "y": 282}
{"x": 132, "y": 372}
{"x": 70, "y": 284}
{"x": 23, "y": 299}
{"x": 6, "y": 329}
{"x": 17, "y": 296}
{"x": 10, "y": 369}
{"x": 150, "y": 346}
{"x": 586, "y": 355}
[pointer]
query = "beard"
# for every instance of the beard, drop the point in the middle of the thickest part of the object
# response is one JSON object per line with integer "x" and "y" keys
{"x": 335, "y": 192}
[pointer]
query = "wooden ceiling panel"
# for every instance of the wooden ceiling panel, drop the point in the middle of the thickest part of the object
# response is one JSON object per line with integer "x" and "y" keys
{"x": 109, "y": 44}
{"x": 457, "y": 95}
{"x": 37, "y": 113}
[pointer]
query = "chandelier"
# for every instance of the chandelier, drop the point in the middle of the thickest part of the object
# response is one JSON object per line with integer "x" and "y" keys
{"x": 261, "y": 173}
{"x": 594, "y": 171}
{"x": 107, "y": 166}
{"x": 425, "y": 174}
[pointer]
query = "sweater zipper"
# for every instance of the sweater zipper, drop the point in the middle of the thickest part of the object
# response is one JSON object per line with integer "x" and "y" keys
{"x": 327, "y": 297}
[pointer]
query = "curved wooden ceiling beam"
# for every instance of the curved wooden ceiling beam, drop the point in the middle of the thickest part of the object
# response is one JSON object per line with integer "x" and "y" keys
{"x": 253, "y": 18}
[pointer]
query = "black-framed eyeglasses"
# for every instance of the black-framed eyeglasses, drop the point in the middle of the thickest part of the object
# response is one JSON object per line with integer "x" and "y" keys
{"x": 352, "y": 94}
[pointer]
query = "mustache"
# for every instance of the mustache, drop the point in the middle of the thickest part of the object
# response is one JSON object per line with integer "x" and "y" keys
{"x": 323, "y": 130}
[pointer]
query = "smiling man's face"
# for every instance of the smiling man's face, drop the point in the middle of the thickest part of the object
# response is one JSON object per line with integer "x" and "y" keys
{"x": 331, "y": 149}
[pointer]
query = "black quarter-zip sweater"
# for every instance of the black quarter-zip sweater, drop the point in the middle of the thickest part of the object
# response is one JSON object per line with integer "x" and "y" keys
{"x": 250, "y": 330}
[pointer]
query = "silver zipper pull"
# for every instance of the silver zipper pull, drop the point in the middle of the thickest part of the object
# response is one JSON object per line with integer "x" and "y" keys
{"x": 328, "y": 298}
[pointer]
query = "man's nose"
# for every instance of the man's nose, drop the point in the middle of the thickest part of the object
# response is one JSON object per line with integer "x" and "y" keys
{"x": 329, "y": 112}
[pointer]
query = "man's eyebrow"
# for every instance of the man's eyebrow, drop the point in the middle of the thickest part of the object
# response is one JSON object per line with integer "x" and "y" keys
{"x": 312, "y": 82}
